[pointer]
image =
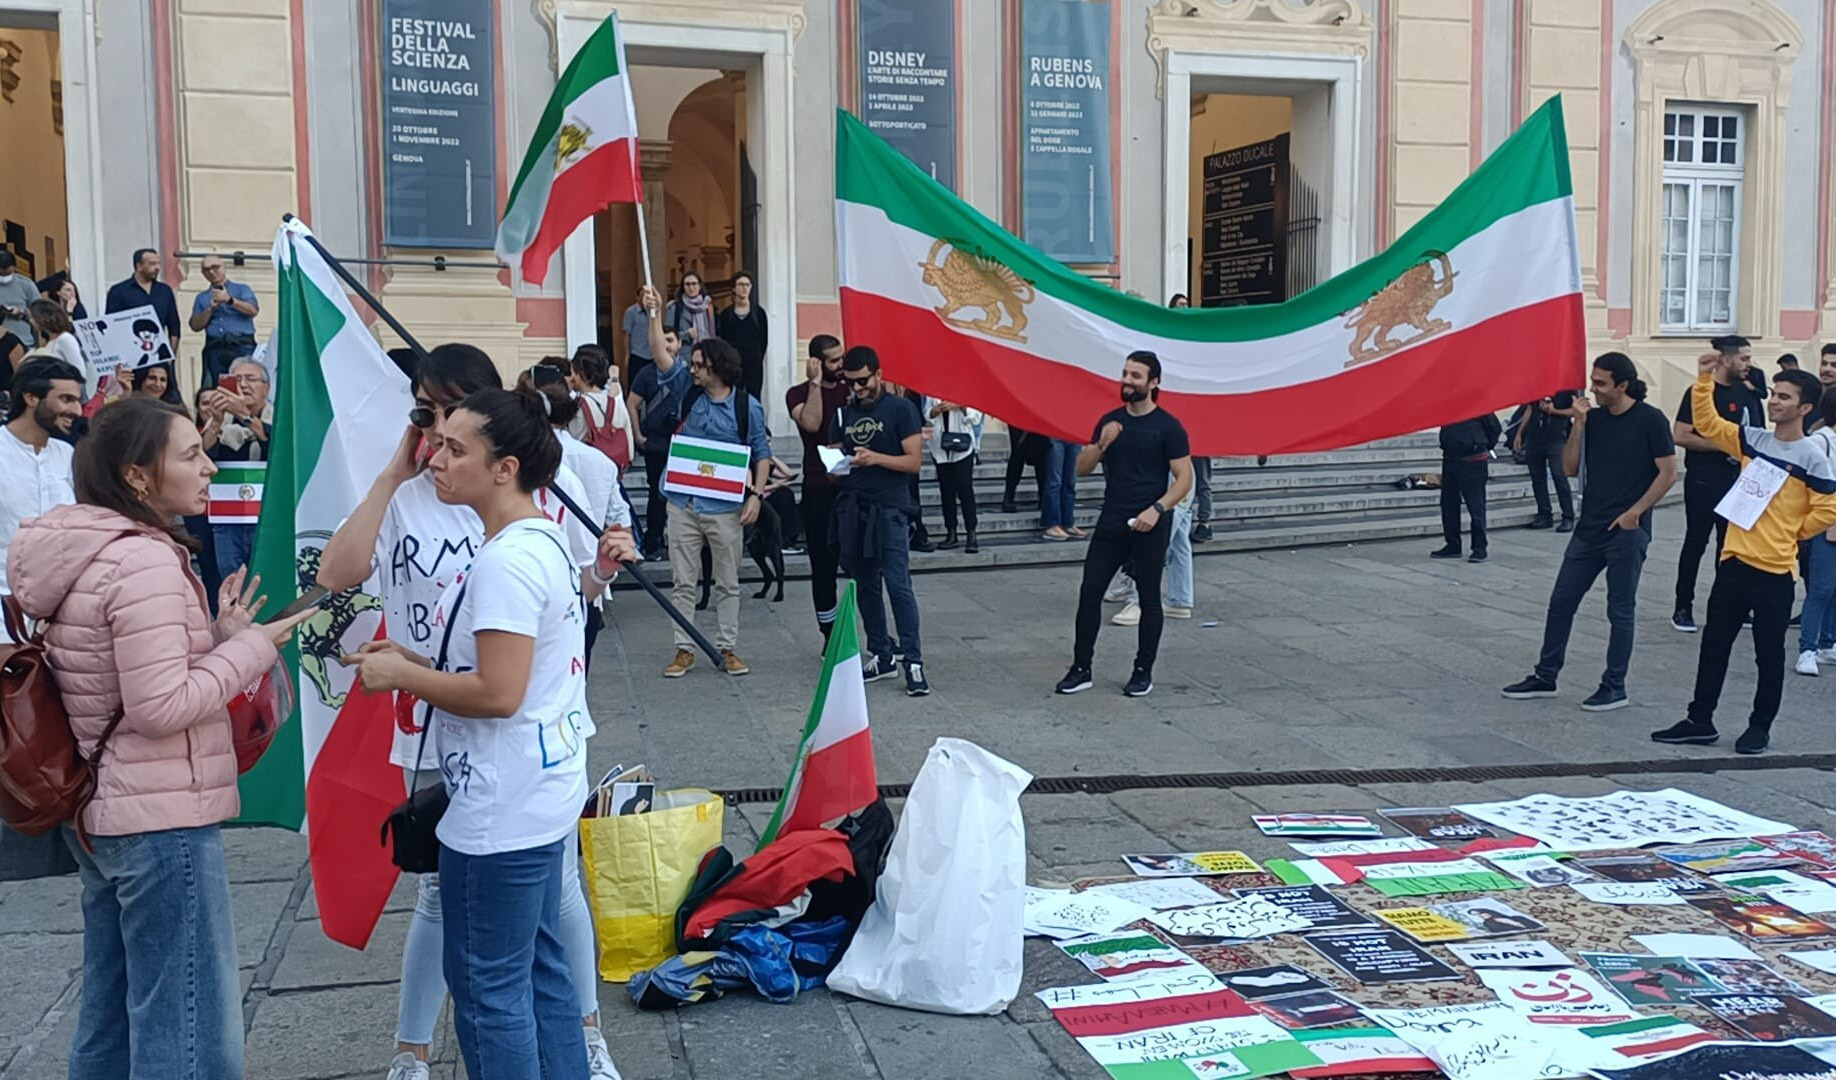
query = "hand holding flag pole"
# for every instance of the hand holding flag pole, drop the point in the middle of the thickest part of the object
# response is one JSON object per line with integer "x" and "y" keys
{"x": 688, "y": 625}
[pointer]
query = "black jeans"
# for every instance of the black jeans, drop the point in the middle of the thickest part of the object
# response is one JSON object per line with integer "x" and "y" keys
{"x": 1700, "y": 494}
{"x": 656, "y": 507}
{"x": 1741, "y": 590}
{"x": 817, "y": 509}
{"x": 595, "y": 622}
{"x": 1017, "y": 461}
{"x": 1111, "y": 547}
{"x": 1463, "y": 480}
{"x": 1544, "y": 457}
{"x": 956, "y": 482}
{"x": 1621, "y": 553}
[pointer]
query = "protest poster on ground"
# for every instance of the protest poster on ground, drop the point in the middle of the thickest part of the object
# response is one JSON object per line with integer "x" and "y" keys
{"x": 1126, "y": 993}
{"x": 1539, "y": 869}
{"x": 1390, "y": 845}
{"x": 1254, "y": 984}
{"x": 1651, "y": 980}
{"x": 1695, "y": 946}
{"x": 1435, "y": 823}
{"x": 1319, "y": 907}
{"x": 1771, "y": 1017}
{"x": 1218, "y": 1030}
{"x": 1358, "y": 1051}
{"x": 1423, "y": 924}
{"x": 1754, "y": 916}
{"x": 1379, "y": 956}
{"x": 124, "y": 341}
{"x": 1307, "y": 872}
{"x": 1823, "y": 960}
{"x": 1650, "y": 1037}
{"x": 1458, "y": 920}
{"x": 1159, "y": 894}
{"x": 1640, "y": 867}
{"x": 1723, "y": 1061}
{"x": 1510, "y": 954}
{"x": 1128, "y": 957}
{"x": 1812, "y": 896}
{"x": 1059, "y": 913}
{"x": 1316, "y": 825}
{"x": 1480, "y": 1041}
{"x": 1725, "y": 856}
{"x": 1233, "y": 920}
{"x": 1427, "y": 879}
{"x": 1298, "y": 1012}
{"x": 1749, "y": 977}
{"x": 1569, "y": 996}
{"x": 1626, "y": 893}
{"x": 1816, "y": 848}
{"x": 1192, "y": 864}
{"x": 1623, "y": 819}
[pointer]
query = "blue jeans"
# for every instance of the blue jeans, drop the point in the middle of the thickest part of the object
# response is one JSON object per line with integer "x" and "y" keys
{"x": 1179, "y": 558}
{"x": 1621, "y": 553}
{"x": 514, "y": 1009}
{"x": 1819, "y": 619}
{"x": 160, "y": 993}
{"x": 1058, "y": 507}
{"x": 893, "y": 572}
{"x": 234, "y": 544}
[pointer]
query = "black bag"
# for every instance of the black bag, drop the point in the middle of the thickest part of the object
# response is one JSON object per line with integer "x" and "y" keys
{"x": 955, "y": 442}
{"x": 413, "y": 823}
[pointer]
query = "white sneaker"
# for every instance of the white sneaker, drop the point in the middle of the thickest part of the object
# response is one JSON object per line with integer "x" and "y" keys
{"x": 1130, "y": 615}
{"x": 407, "y": 1067}
{"x": 1174, "y": 611}
{"x": 1807, "y": 662}
{"x": 599, "y": 1059}
{"x": 1121, "y": 592}
{"x": 1827, "y": 656}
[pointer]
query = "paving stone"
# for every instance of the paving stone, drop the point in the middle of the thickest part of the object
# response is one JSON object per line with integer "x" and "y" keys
{"x": 640, "y": 1042}
{"x": 1186, "y": 819}
{"x": 909, "y": 1045}
{"x": 401, "y": 898}
{"x": 1046, "y": 965}
{"x": 336, "y": 1032}
{"x": 256, "y": 908}
{"x": 52, "y": 905}
{"x": 748, "y": 1036}
{"x": 1064, "y": 829}
{"x": 1309, "y": 798}
{"x": 263, "y": 854}
{"x": 1067, "y": 1057}
{"x": 38, "y": 969}
{"x": 314, "y": 960}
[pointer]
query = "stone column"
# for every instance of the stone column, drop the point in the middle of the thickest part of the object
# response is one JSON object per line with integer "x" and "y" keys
{"x": 654, "y": 160}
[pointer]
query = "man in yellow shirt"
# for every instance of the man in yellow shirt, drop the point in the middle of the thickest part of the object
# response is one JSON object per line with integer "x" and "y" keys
{"x": 1786, "y": 493}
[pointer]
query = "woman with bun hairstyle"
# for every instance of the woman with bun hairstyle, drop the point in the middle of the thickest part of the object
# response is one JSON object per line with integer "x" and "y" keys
{"x": 509, "y": 702}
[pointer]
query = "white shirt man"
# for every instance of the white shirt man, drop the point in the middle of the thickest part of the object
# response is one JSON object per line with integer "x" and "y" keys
{"x": 34, "y": 466}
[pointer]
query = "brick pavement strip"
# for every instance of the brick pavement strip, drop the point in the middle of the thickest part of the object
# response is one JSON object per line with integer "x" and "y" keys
{"x": 1338, "y": 657}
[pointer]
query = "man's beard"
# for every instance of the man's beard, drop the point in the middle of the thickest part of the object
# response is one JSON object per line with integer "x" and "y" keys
{"x": 46, "y": 417}
{"x": 1132, "y": 394}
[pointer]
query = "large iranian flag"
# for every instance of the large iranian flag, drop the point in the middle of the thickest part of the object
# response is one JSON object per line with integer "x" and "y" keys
{"x": 833, "y": 775}
{"x": 582, "y": 159}
{"x": 1476, "y": 308}
{"x": 340, "y": 408}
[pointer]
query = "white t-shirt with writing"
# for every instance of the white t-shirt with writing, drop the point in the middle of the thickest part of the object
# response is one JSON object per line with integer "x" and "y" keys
{"x": 423, "y": 547}
{"x": 519, "y": 781}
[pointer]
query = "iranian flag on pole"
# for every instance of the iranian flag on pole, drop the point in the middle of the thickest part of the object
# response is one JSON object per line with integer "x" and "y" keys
{"x": 340, "y": 408}
{"x": 582, "y": 159}
{"x": 833, "y": 775}
{"x": 1475, "y": 308}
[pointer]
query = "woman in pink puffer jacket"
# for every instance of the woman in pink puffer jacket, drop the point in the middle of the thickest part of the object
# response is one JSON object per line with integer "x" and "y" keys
{"x": 129, "y": 633}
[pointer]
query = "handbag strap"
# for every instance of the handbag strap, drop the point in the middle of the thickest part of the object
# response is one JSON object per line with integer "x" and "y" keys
{"x": 446, "y": 638}
{"x": 15, "y": 620}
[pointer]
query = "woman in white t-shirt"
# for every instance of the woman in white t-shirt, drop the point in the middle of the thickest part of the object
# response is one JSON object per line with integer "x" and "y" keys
{"x": 416, "y": 545}
{"x": 509, "y": 702}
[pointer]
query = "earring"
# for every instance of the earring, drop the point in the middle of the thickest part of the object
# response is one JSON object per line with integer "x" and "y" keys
{"x": 141, "y": 494}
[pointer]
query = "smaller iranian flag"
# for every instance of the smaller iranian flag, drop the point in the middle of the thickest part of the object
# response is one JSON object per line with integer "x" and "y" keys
{"x": 1358, "y": 1051}
{"x": 582, "y": 159}
{"x": 235, "y": 492}
{"x": 706, "y": 467}
{"x": 833, "y": 775}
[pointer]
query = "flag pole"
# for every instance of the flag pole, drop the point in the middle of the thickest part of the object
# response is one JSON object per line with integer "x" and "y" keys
{"x": 688, "y": 626}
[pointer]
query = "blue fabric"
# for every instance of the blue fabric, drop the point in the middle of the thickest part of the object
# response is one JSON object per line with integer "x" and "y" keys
{"x": 160, "y": 992}
{"x": 234, "y": 544}
{"x": 515, "y": 1012}
{"x": 1818, "y": 622}
{"x": 717, "y": 420}
{"x": 778, "y": 963}
{"x": 226, "y": 321}
{"x": 1059, "y": 504}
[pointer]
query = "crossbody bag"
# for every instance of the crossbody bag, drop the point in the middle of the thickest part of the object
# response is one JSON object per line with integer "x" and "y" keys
{"x": 413, "y": 824}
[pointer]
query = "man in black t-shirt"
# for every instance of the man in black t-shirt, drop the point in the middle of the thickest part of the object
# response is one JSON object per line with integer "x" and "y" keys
{"x": 1708, "y": 472}
{"x": 1625, "y": 448}
{"x": 1138, "y": 445}
{"x": 884, "y": 434}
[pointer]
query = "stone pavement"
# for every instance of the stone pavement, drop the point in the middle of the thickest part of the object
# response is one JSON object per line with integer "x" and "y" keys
{"x": 1361, "y": 657}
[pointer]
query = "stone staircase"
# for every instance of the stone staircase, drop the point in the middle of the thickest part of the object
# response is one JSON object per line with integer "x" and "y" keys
{"x": 1295, "y": 500}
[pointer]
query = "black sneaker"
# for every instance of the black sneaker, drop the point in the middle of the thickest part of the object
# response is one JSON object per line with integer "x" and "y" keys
{"x": 1540, "y": 522}
{"x": 1605, "y": 700}
{"x": 1533, "y": 687}
{"x": 1009, "y": 507}
{"x": 1201, "y": 533}
{"x": 915, "y": 684}
{"x": 877, "y": 668}
{"x": 972, "y": 545}
{"x": 1140, "y": 684}
{"x": 1688, "y": 733}
{"x": 1477, "y": 556}
{"x": 1075, "y": 681}
{"x": 1445, "y": 553}
{"x": 1754, "y": 740}
{"x": 1683, "y": 621}
{"x": 1567, "y": 525}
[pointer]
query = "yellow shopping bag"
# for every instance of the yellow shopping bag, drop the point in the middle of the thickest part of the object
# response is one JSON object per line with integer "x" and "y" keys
{"x": 638, "y": 869}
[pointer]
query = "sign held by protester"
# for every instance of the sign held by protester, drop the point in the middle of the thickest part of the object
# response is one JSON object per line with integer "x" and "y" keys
{"x": 125, "y": 340}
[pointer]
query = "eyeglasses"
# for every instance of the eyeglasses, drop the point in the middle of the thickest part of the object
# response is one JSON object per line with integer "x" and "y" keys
{"x": 421, "y": 416}
{"x": 861, "y": 380}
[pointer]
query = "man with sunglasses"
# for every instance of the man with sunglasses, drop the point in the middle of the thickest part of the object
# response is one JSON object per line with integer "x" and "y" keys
{"x": 884, "y": 434}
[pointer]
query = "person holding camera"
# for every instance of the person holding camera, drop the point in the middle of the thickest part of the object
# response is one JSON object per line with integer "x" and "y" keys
{"x": 225, "y": 314}
{"x": 1538, "y": 444}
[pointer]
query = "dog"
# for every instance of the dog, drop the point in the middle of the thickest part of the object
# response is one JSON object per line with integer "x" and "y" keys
{"x": 764, "y": 540}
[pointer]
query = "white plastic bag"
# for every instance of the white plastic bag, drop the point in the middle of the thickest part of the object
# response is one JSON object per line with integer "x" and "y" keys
{"x": 944, "y": 932}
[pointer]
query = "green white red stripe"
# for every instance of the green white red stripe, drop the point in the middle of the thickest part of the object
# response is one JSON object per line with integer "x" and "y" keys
{"x": 1360, "y": 1051}
{"x": 833, "y": 775}
{"x": 339, "y": 410}
{"x": 235, "y": 492}
{"x": 1277, "y": 378}
{"x": 582, "y": 158}
{"x": 706, "y": 467}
